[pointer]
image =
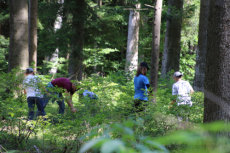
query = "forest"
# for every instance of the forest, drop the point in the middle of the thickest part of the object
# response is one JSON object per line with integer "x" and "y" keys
{"x": 114, "y": 76}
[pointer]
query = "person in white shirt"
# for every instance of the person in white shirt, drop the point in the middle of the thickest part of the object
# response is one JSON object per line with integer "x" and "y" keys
{"x": 34, "y": 95}
{"x": 182, "y": 90}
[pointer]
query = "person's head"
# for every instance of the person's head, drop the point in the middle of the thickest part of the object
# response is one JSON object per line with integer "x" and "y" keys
{"x": 73, "y": 89}
{"x": 29, "y": 71}
{"x": 142, "y": 69}
{"x": 177, "y": 76}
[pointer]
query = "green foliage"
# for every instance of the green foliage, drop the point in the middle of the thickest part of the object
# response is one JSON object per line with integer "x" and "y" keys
{"x": 4, "y": 17}
{"x": 106, "y": 124}
{"x": 60, "y": 63}
{"x": 100, "y": 60}
{"x": 189, "y": 38}
{"x": 4, "y": 44}
{"x": 102, "y": 119}
{"x": 121, "y": 138}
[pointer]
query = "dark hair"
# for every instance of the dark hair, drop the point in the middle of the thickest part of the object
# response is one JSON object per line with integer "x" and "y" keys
{"x": 29, "y": 71}
{"x": 139, "y": 70}
{"x": 73, "y": 89}
{"x": 144, "y": 64}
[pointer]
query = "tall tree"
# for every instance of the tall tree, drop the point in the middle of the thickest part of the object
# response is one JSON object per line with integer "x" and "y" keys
{"x": 133, "y": 38}
{"x": 216, "y": 87}
{"x": 155, "y": 46}
{"x": 202, "y": 46}
{"x": 33, "y": 13}
{"x": 18, "y": 51}
{"x": 57, "y": 25}
{"x": 171, "y": 55}
{"x": 99, "y": 3}
{"x": 76, "y": 56}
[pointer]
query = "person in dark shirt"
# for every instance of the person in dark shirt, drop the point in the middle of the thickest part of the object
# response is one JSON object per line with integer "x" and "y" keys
{"x": 62, "y": 85}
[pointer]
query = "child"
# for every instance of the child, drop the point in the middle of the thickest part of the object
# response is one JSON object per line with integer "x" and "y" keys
{"x": 34, "y": 96}
{"x": 141, "y": 83}
{"x": 182, "y": 90}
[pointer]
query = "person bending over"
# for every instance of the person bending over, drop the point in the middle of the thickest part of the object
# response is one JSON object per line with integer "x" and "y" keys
{"x": 65, "y": 86}
{"x": 141, "y": 84}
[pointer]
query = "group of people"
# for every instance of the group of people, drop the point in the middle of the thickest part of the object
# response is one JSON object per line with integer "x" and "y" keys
{"x": 53, "y": 91}
{"x": 181, "y": 89}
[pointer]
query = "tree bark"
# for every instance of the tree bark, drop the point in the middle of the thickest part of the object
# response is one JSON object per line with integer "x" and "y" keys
{"x": 202, "y": 46}
{"x": 133, "y": 39}
{"x": 33, "y": 13}
{"x": 99, "y": 3}
{"x": 77, "y": 42}
{"x": 155, "y": 47}
{"x": 171, "y": 55}
{"x": 217, "y": 87}
{"x": 18, "y": 50}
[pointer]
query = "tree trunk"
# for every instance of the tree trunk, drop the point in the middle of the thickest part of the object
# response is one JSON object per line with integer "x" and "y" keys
{"x": 216, "y": 87}
{"x": 155, "y": 47}
{"x": 33, "y": 13}
{"x": 57, "y": 25}
{"x": 99, "y": 3}
{"x": 133, "y": 38}
{"x": 202, "y": 46}
{"x": 76, "y": 55}
{"x": 171, "y": 55}
{"x": 18, "y": 51}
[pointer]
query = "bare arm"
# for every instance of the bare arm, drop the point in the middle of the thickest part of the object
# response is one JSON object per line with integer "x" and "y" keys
{"x": 69, "y": 102}
{"x": 192, "y": 91}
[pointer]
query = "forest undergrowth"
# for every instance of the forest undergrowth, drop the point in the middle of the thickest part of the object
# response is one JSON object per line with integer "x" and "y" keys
{"x": 107, "y": 124}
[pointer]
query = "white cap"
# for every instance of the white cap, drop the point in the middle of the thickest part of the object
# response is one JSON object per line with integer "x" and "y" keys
{"x": 177, "y": 74}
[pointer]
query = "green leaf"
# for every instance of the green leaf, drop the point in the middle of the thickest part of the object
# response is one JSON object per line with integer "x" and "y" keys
{"x": 91, "y": 144}
{"x": 112, "y": 146}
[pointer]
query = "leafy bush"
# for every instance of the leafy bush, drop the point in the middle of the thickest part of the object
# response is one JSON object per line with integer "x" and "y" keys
{"x": 103, "y": 118}
{"x": 4, "y": 44}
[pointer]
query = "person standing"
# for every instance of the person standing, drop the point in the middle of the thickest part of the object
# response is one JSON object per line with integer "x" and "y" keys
{"x": 182, "y": 91}
{"x": 65, "y": 86}
{"x": 34, "y": 96}
{"x": 141, "y": 84}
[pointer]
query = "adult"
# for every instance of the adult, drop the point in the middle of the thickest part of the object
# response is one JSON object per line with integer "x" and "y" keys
{"x": 182, "y": 91}
{"x": 34, "y": 96}
{"x": 141, "y": 84}
{"x": 55, "y": 90}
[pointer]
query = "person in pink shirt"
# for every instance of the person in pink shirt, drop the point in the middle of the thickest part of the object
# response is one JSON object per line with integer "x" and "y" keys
{"x": 63, "y": 85}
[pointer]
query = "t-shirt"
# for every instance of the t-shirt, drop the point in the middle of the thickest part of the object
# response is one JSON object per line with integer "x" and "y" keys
{"x": 63, "y": 83}
{"x": 140, "y": 87}
{"x": 89, "y": 94}
{"x": 182, "y": 89}
{"x": 30, "y": 84}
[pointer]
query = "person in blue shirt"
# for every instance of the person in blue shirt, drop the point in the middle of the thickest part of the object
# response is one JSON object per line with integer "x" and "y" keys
{"x": 141, "y": 84}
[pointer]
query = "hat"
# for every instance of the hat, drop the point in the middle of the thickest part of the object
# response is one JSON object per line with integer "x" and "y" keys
{"x": 29, "y": 70}
{"x": 144, "y": 64}
{"x": 177, "y": 74}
